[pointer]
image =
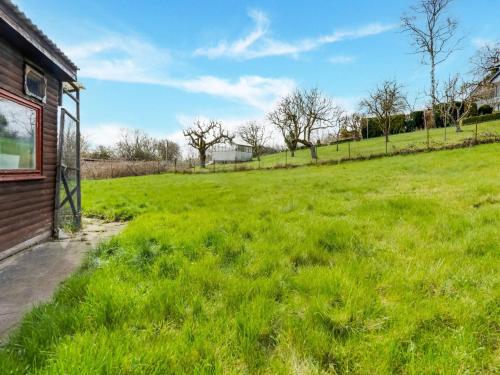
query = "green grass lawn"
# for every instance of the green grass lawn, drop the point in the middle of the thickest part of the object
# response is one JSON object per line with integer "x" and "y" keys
{"x": 383, "y": 266}
{"x": 413, "y": 140}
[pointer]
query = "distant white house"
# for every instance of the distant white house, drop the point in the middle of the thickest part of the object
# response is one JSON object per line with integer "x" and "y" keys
{"x": 231, "y": 152}
{"x": 491, "y": 94}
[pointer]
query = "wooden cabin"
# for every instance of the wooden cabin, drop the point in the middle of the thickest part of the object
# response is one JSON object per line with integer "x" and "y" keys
{"x": 32, "y": 73}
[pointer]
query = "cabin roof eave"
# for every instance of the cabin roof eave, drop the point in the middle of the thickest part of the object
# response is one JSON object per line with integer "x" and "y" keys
{"x": 16, "y": 26}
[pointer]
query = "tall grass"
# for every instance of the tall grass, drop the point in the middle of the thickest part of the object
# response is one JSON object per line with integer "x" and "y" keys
{"x": 383, "y": 266}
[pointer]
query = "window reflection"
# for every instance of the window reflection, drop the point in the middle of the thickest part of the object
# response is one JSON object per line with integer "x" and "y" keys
{"x": 17, "y": 135}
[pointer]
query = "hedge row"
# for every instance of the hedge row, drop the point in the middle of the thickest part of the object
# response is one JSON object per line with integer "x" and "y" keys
{"x": 483, "y": 118}
{"x": 374, "y": 130}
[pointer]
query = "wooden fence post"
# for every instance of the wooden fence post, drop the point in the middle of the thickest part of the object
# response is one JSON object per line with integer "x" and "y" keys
{"x": 475, "y": 135}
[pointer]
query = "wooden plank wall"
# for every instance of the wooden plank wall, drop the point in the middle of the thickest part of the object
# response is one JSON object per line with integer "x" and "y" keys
{"x": 27, "y": 207}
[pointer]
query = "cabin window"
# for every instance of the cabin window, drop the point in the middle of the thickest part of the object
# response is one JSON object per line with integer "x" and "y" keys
{"x": 20, "y": 137}
{"x": 35, "y": 83}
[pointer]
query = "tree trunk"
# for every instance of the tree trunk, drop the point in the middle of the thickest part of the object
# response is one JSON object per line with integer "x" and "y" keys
{"x": 386, "y": 133}
{"x": 314, "y": 154}
{"x": 203, "y": 159}
{"x": 445, "y": 125}
{"x": 433, "y": 82}
{"x": 292, "y": 152}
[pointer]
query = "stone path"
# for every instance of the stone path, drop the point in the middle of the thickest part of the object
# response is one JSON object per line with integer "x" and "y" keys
{"x": 31, "y": 276}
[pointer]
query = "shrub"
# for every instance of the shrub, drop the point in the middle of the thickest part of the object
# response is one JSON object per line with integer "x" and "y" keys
{"x": 485, "y": 110}
{"x": 418, "y": 119}
{"x": 473, "y": 110}
{"x": 438, "y": 117}
{"x": 483, "y": 118}
{"x": 374, "y": 130}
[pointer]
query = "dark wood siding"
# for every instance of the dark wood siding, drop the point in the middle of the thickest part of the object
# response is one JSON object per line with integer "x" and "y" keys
{"x": 27, "y": 207}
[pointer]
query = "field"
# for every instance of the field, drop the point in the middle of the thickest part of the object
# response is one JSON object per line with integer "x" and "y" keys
{"x": 383, "y": 266}
{"x": 372, "y": 146}
{"x": 99, "y": 169}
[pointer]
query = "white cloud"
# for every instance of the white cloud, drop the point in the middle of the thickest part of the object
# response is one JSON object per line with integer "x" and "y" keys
{"x": 483, "y": 42}
{"x": 349, "y": 103}
{"x": 120, "y": 58}
{"x": 342, "y": 59}
{"x": 109, "y": 133}
{"x": 128, "y": 59}
{"x": 256, "y": 91}
{"x": 257, "y": 44}
{"x": 106, "y": 134}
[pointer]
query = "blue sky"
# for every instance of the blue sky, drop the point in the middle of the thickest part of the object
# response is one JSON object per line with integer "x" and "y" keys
{"x": 156, "y": 65}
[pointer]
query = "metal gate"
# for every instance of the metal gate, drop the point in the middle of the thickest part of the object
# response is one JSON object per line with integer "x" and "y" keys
{"x": 67, "y": 212}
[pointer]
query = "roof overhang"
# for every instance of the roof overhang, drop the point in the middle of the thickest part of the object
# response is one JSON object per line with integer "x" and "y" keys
{"x": 495, "y": 76}
{"x": 18, "y": 29}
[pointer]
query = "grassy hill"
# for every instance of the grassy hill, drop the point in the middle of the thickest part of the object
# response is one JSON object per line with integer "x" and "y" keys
{"x": 365, "y": 147}
{"x": 383, "y": 266}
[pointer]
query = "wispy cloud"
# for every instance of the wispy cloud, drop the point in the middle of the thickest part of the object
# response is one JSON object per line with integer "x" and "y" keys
{"x": 483, "y": 42}
{"x": 120, "y": 58}
{"x": 127, "y": 59}
{"x": 342, "y": 59}
{"x": 258, "y": 44}
{"x": 109, "y": 133}
{"x": 106, "y": 133}
{"x": 256, "y": 91}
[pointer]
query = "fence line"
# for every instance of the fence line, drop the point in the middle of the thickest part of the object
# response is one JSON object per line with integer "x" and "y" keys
{"x": 341, "y": 152}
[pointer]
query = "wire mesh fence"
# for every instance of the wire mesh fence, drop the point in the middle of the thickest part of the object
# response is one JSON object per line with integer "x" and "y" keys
{"x": 69, "y": 174}
{"x": 343, "y": 150}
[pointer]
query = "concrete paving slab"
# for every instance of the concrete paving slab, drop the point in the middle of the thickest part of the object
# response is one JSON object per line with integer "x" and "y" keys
{"x": 31, "y": 276}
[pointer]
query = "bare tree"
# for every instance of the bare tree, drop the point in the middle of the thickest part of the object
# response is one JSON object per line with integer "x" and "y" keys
{"x": 384, "y": 102}
{"x": 486, "y": 61}
{"x": 287, "y": 117}
{"x": 255, "y": 135}
{"x": 354, "y": 123}
{"x": 485, "y": 64}
{"x": 101, "y": 152}
{"x": 203, "y": 135}
{"x": 432, "y": 34}
{"x": 300, "y": 115}
{"x": 317, "y": 112}
{"x": 136, "y": 145}
{"x": 338, "y": 121}
{"x": 167, "y": 150}
{"x": 84, "y": 146}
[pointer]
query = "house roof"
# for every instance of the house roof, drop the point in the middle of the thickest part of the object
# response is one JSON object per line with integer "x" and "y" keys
{"x": 16, "y": 25}
{"x": 495, "y": 76}
{"x": 239, "y": 142}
